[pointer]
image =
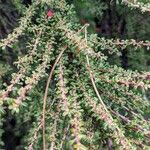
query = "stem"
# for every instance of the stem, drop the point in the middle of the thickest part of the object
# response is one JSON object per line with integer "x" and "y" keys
{"x": 46, "y": 94}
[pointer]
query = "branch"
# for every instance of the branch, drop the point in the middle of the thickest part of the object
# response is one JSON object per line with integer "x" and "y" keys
{"x": 136, "y": 128}
{"x": 30, "y": 147}
{"x": 46, "y": 93}
{"x": 24, "y": 21}
{"x": 26, "y": 59}
{"x": 123, "y": 141}
{"x": 143, "y": 7}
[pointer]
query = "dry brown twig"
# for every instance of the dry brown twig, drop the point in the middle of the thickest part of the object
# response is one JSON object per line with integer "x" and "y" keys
{"x": 30, "y": 147}
{"x": 123, "y": 141}
{"x": 46, "y": 93}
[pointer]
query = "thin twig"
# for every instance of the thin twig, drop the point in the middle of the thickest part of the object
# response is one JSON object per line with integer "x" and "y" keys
{"x": 91, "y": 76}
{"x": 46, "y": 94}
{"x": 83, "y": 27}
{"x": 136, "y": 128}
{"x": 64, "y": 136}
{"x": 53, "y": 135}
{"x": 35, "y": 136}
{"x": 124, "y": 142}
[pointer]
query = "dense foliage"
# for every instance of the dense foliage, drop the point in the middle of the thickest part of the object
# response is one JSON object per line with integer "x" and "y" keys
{"x": 67, "y": 89}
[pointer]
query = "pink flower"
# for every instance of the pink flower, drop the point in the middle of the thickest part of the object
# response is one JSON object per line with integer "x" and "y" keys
{"x": 50, "y": 14}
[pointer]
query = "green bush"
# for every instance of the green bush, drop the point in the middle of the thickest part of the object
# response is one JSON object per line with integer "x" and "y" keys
{"x": 65, "y": 93}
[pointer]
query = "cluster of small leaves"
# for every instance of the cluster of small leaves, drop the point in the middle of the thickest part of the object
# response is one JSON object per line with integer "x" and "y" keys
{"x": 4, "y": 69}
{"x": 83, "y": 85}
{"x": 24, "y": 21}
{"x": 144, "y": 7}
{"x": 116, "y": 46}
